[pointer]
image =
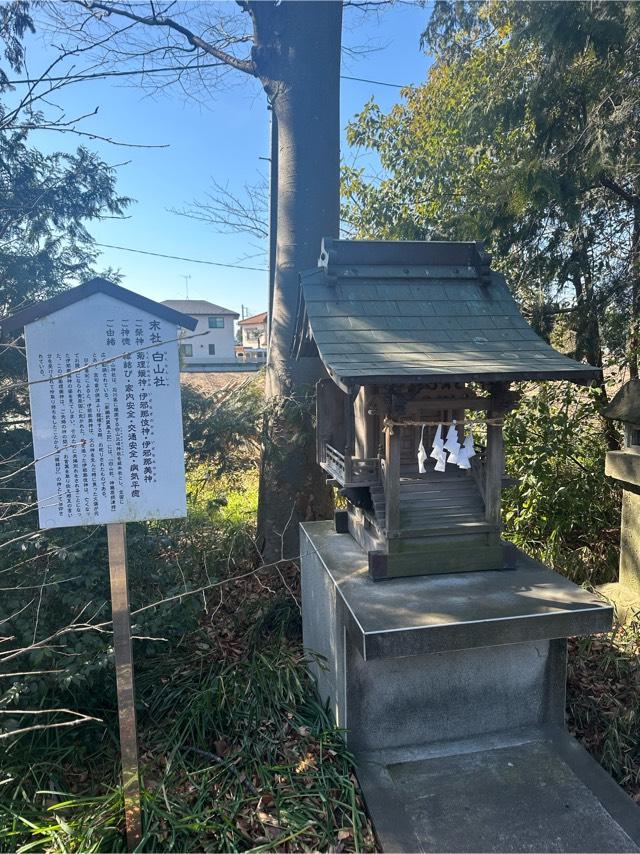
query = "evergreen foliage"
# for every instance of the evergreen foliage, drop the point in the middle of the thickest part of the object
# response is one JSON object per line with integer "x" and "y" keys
{"x": 562, "y": 509}
{"x": 524, "y": 136}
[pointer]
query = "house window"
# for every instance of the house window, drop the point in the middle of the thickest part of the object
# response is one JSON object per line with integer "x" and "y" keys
{"x": 186, "y": 349}
{"x": 216, "y": 323}
{"x": 212, "y": 349}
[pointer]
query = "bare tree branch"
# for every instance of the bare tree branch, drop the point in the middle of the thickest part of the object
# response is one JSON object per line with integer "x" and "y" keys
{"x": 9, "y": 655}
{"x": 231, "y": 212}
{"x": 159, "y": 20}
{"x": 78, "y": 718}
{"x": 619, "y": 190}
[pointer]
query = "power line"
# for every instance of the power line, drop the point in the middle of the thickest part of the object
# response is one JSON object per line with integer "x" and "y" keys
{"x": 72, "y": 78}
{"x": 181, "y": 258}
{"x": 375, "y": 82}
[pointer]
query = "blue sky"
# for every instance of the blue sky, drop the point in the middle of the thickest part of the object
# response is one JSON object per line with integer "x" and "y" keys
{"x": 222, "y": 138}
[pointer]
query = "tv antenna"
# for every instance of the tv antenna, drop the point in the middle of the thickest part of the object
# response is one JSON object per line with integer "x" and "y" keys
{"x": 186, "y": 285}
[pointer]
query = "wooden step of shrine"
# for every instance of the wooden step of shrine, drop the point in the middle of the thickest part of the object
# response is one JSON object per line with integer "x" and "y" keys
{"x": 440, "y": 491}
{"x": 443, "y": 502}
{"x": 437, "y": 532}
{"x": 425, "y": 505}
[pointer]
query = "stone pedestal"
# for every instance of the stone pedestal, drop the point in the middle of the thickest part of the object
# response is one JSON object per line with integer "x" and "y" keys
{"x": 624, "y": 466}
{"x": 451, "y": 690}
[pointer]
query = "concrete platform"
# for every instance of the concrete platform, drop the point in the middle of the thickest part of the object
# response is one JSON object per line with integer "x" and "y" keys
{"x": 528, "y": 791}
{"x": 451, "y": 691}
{"x": 410, "y": 616}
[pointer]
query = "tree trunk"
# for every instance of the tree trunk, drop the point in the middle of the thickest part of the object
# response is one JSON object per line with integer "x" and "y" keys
{"x": 273, "y": 214}
{"x": 297, "y": 56}
{"x": 634, "y": 332}
{"x": 588, "y": 336}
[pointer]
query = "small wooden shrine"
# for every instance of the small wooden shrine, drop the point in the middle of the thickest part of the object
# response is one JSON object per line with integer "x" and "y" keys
{"x": 421, "y": 341}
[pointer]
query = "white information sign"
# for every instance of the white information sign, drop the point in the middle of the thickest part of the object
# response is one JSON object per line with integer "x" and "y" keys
{"x": 108, "y": 438}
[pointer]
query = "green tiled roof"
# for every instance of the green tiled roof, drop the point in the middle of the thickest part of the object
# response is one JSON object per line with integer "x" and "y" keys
{"x": 420, "y": 322}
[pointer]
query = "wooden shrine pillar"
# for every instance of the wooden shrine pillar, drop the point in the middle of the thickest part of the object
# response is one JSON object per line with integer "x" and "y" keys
{"x": 392, "y": 480}
{"x": 494, "y": 471}
{"x": 366, "y": 440}
{"x": 502, "y": 401}
{"x": 350, "y": 438}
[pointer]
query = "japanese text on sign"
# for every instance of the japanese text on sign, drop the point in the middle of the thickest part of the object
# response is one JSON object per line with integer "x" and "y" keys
{"x": 107, "y": 438}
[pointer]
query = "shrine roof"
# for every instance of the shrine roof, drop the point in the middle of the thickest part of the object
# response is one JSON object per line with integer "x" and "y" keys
{"x": 93, "y": 286}
{"x": 383, "y": 312}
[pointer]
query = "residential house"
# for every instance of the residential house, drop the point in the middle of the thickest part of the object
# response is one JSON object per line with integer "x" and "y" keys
{"x": 253, "y": 346}
{"x": 213, "y": 338}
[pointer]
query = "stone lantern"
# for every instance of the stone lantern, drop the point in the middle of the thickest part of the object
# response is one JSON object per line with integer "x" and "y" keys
{"x": 624, "y": 467}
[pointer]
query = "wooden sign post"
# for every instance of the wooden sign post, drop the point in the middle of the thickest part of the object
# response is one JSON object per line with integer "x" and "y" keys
{"x": 123, "y": 654}
{"x": 104, "y": 387}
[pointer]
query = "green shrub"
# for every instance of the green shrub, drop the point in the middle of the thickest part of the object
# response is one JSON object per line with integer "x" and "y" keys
{"x": 222, "y": 429}
{"x": 563, "y": 510}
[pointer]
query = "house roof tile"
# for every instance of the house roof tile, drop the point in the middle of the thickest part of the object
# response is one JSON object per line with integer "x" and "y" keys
{"x": 197, "y": 307}
{"x": 254, "y": 319}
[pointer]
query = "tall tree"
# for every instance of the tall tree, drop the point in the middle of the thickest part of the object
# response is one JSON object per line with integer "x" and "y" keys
{"x": 517, "y": 138}
{"x": 584, "y": 104}
{"x": 295, "y": 53}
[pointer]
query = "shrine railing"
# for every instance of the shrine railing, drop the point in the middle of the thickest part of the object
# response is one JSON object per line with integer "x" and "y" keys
{"x": 348, "y": 470}
{"x": 334, "y": 462}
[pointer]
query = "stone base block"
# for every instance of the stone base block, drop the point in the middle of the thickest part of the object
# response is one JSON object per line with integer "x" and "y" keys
{"x": 419, "y": 660}
{"x": 451, "y": 690}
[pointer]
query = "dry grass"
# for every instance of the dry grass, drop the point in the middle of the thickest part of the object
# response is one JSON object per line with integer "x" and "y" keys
{"x": 208, "y": 382}
{"x": 603, "y": 700}
{"x": 236, "y": 751}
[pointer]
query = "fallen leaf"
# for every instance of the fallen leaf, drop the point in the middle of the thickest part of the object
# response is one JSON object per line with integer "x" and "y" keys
{"x": 221, "y": 747}
{"x": 306, "y": 763}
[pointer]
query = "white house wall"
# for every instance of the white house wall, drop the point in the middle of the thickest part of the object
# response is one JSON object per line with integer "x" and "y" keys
{"x": 223, "y": 339}
{"x": 255, "y": 336}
